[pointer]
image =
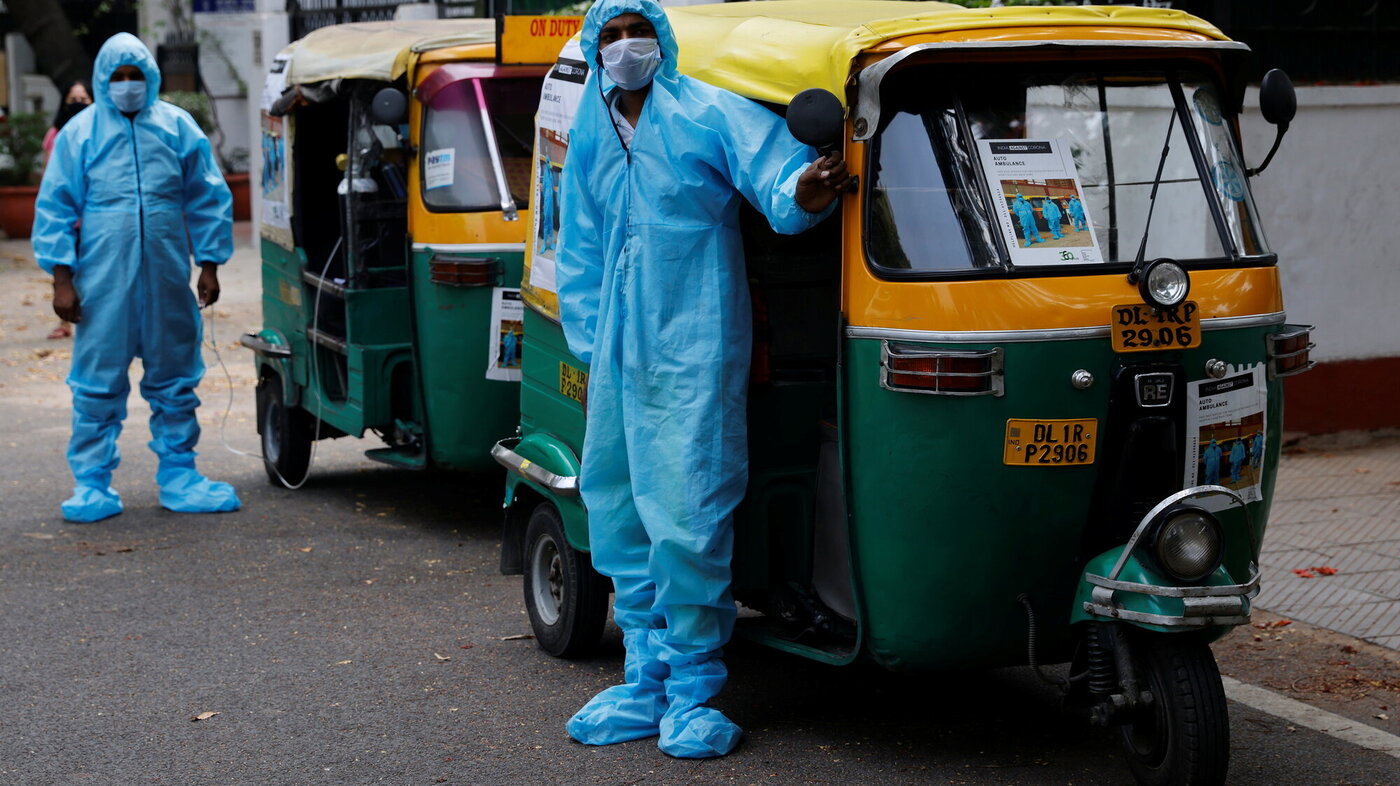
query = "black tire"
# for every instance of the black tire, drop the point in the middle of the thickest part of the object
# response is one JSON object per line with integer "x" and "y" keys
{"x": 1183, "y": 737}
{"x": 565, "y": 597}
{"x": 286, "y": 435}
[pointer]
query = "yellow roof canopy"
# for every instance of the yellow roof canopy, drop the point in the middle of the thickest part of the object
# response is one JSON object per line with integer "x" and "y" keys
{"x": 772, "y": 50}
{"x": 377, "y": 50}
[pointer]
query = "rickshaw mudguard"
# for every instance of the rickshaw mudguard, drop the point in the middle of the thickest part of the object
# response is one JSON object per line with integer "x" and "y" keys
{"x": 1137, "y": 571}
{"x": 281, "y": 365}
{"x": 554, "y": 455}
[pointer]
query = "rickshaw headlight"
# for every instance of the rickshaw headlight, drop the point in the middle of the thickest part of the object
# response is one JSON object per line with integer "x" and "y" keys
{"x": 1188, "y": 544}
{"x": 1165, "y": 284}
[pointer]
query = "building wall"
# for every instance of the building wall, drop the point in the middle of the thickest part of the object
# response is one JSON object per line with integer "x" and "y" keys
{"x": 1331, "y": 213}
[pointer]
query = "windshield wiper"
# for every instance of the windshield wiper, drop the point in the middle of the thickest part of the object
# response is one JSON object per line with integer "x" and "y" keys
{"x": 1152, "y": 198}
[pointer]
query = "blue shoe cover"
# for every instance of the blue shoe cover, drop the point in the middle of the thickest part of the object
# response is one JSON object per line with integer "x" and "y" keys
{"x": 186, "y": 491}
{"x": 690, "y": 731}
{"x": 90, "y": 503}
{"x": 631, "y": 711}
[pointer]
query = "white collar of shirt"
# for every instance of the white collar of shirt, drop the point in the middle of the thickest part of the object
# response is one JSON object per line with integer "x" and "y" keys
{"x": 624, "y": 128}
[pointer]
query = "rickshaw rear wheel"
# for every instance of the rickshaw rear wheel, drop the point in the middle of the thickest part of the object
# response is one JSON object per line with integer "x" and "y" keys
{"x": 1183, "y": 736}
{"x": 286, "y": 435}
{"x": 567, "y": 599}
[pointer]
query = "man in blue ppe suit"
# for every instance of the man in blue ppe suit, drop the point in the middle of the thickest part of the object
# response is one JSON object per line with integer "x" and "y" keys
{"x": 1211, "y": 458}
{"x": 1076, "y": 214}
{"x": 1051, "y": 211}
{"x": 1236, "y": 460}
{"x": 139, "y": 176}
{"x": 1026, "y": 214}
{"x": 654, "y": 295}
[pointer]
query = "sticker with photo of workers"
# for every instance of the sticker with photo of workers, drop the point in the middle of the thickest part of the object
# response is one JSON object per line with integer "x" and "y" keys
{"x": 1046, "y": 221}
{"x": 559, "y": 99}
{"x": 1225, "y": 428}
{"x": 507, "y": 335}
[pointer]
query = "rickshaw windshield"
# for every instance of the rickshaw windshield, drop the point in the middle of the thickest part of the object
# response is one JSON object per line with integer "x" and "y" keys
{"x": 1052, "y": 170}
{"x": 457, "y": 171}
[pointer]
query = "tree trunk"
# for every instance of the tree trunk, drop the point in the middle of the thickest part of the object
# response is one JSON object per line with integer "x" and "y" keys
{"x": 60, "y": 54}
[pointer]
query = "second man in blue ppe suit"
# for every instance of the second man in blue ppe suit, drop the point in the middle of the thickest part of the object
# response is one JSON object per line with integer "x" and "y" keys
{"x": 137, "y": 175}
{"x": 653, "y": 294}
{"x": 1051, "y": 210}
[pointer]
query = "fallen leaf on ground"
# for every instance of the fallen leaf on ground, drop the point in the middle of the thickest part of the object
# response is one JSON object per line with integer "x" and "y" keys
{"x": 39, "y": 535}
{"x": 1325, "y": 570}
{"x": 307, "y": 549}
{"x": 1304, "y": 573}
{"x": 203, "y": 716}
{"x": 343, "y": 662}
{"x": 1383, "y": 716}
{"x": 518, "y": 637}
{"x": 1274, "y": 624}
{"x": 1348, "y": 649}
{"x": 441, "y": 657}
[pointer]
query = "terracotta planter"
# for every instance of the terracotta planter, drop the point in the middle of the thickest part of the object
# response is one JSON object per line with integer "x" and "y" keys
{"x": 242, "y": 199}
{"x": 17, "y": 210}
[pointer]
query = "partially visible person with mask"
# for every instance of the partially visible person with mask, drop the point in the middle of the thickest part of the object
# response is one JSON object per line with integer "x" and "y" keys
{"x": 653, "y": 294}
{"x": 140, "y": 176}
{"x": 76, "y": 98}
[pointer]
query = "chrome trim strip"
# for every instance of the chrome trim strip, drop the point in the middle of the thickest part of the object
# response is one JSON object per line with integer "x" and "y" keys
{"x": 1162, "y": 619}
{"x": 867, "y": 116}
{"x": 479, "y": 248}
{"x": 1246, "y": 589}
{"x": 563, "y": 485}
{"x": 324, "y": 284}
{"x": 326, "y": 340}
{"x": 1049, "y": 334}
{"x": 261, "y": 346}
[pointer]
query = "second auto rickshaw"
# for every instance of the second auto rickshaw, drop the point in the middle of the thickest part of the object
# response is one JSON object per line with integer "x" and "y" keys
{"x": 1019, "y": 402}
{"x": 395, "y": 173}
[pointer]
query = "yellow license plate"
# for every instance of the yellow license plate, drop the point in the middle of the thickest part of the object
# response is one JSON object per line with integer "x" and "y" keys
{"x": 573, "y": 383}
{"x": 1138, "y": 327}
{"x": 1050, "y": 443}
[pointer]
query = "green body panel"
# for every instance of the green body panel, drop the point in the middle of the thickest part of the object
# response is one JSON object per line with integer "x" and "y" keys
{"x": 415, "y": 359}
{"x": 945, "y": 537}
{"x": 551, "y": 423}
{"x": 1138, "y": 572}
{"x": 463, "y": 412}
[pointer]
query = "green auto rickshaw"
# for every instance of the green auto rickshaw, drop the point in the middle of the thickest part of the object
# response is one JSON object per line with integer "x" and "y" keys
{"x": 1019, "y": 401}
{"x": 395, "y": 172}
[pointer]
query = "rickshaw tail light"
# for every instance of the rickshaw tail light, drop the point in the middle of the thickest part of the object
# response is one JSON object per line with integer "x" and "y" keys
{"x": 460, "y": 271}
{"x": 1289, "y": 351}
{"x": 911, "y": 368}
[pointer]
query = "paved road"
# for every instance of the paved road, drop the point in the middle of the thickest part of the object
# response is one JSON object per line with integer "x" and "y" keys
{"x": 357, "y": 632}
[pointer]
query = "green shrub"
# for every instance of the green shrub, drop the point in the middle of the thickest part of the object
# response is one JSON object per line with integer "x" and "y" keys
{"x": 21, "y": 147}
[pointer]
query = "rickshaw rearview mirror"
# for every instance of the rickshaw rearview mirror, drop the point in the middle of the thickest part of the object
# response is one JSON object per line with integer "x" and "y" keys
{"x": 1278, "y": 103}
{"x": 389, "y": 106}
{"x": 815, "y": 117}
{"x": 1277, "y": 100}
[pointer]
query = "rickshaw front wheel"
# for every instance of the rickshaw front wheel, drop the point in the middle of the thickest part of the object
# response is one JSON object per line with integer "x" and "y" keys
{"x": 565, "y": 597}
{"x": 285, "y": 433}
{"x": 1183, "y": 736}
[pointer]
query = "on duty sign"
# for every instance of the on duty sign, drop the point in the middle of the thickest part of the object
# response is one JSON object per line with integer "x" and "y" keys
{"x": 533, "y": 40}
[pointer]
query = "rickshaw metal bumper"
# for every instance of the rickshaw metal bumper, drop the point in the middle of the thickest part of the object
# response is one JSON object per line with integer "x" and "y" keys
{"x": 264, "y": 347}
{"x": 1202, "y": 607}
{"x": 563, "y": 485}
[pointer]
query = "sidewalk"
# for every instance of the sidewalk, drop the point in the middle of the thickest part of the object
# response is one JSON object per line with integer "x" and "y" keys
{"x": 1337, "y": 506}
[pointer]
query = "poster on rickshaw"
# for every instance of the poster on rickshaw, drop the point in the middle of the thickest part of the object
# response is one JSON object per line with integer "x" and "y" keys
{"x": 1044, "y": 220}
{"x": 506, "y": 335}
{"x": 559, "y": 99}
{"x": 1225, "y": 430}
{"x": 275, "y": 175}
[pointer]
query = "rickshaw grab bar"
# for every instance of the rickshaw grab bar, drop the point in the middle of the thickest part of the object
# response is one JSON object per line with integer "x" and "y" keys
{"x": 563, "y": 485}
{"x": 261, "y": 346}
{"x": 867, "y": 114}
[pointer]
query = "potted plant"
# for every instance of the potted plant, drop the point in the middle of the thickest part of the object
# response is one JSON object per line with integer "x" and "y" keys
{"x": 21, "y": 149}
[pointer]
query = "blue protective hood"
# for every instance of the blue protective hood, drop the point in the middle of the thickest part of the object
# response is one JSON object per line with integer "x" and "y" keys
{"x": 605, "y": 11}
{"x": 119, "y": 50}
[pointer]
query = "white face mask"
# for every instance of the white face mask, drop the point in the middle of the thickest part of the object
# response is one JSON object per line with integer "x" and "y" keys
{"x": 129, "y": 96}
{"x": 631, "y": 62}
